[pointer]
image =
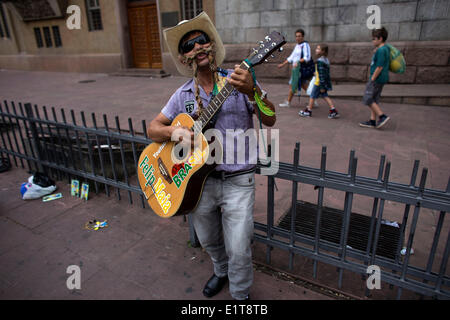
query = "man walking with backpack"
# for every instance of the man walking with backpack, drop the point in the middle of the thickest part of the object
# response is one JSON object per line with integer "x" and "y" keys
{"x": 379, "y": 75}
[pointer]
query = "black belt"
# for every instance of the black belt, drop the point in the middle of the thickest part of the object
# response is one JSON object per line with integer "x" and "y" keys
{"x": 223, "y": 174}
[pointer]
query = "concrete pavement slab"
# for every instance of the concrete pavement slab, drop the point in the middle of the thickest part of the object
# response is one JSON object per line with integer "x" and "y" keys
{"x": 138, "y": 256}
{"x": 149, "y": 257}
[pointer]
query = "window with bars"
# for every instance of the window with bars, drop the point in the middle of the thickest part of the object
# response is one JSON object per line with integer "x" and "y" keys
{"x": 94, "y": 15}
{"x": 47, "y": 37}
{"x": 38, "y": 36}
{"x": 4, "y": 30}
{"x": 190, "y": 8}
{"x": 56, "y": 36}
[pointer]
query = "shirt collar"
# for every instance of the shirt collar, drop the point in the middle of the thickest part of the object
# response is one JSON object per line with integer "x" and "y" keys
{"x": 188, "y": 86}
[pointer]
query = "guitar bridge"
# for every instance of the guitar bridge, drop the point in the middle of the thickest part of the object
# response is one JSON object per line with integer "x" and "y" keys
{"x": 164, "y": 172}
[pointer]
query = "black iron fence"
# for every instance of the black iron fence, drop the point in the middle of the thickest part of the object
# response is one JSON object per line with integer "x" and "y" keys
{"x": 375, "y": 241}
{"x": 107, "y": 158}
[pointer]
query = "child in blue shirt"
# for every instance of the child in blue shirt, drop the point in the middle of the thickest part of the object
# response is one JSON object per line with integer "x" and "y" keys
{"x": 322, "y": 84}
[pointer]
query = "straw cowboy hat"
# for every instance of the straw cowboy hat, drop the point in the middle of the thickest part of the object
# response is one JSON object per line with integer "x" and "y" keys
{"x": 201, "y": 22}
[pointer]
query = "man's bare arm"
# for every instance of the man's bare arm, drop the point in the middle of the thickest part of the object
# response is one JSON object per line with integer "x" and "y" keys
{"x": 159, "y": 129}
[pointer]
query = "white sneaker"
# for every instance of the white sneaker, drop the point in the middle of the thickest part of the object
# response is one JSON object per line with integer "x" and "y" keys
{"x": 305, "y": 113}
{"x": 284, "y": 104}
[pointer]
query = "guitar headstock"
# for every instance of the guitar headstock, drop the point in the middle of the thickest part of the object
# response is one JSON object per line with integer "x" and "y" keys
{"x": 272, "y": 42}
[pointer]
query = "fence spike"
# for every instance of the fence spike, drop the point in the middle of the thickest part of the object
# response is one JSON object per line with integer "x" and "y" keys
{"x": 94, "y": 120}
{"x": 54, "y": 114}
{"x": 386, "y": 175}
{"x": 353, "y": 173}
{"x": 3, "y": 117}
{"x": 83, "y": 119}
{"x": 130, "y": 126}
{"x": 448, "y": 186}
{"x": 144, "y": 128}
{"x": 63, "y": 115}
{"x": 72, "y": 115}
{"x": 117, "y": 124}
{"x": 296, "y": 155}
{"x": 350, "y": 161}
{"x": 414, "y": 173}
{"x": 381, "y": 167}
{"x": 105, "y": 121}
{"x": 36, "y": 110}
{"x": 323, "y": 162}
{"x": 423, "y": 179}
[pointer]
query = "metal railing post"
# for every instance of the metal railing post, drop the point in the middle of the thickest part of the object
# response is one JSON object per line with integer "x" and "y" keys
{"x": 35, "y": 143}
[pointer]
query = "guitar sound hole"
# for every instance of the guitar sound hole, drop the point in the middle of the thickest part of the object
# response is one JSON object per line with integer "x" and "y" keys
{"x": 180, "y": 152}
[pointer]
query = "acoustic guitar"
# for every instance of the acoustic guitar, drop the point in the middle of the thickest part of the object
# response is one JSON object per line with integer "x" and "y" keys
{"x": 171, "y": 175}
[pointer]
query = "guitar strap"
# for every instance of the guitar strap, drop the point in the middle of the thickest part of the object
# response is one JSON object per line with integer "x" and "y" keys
{"x": 217, "y": 87}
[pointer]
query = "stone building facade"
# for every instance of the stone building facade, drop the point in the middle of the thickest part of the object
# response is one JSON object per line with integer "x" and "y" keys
{"x": 123, "y": 34}
{"x": 113, "y": 34}
{"x": 332, "y": 20}
{"x": 420, "y": 29}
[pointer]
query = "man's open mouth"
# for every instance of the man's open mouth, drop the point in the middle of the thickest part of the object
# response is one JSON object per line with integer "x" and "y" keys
{"x": 201, "y": 55}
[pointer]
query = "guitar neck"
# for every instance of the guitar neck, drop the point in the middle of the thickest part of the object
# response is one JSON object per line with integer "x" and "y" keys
{"x": 217, "y": 102}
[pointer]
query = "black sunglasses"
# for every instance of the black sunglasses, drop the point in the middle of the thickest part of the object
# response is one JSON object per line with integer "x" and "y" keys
{"x": 190, "y": 44}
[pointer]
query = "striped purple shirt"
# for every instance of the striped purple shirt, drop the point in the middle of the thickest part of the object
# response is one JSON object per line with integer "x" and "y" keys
{"x": 235, "y": 116}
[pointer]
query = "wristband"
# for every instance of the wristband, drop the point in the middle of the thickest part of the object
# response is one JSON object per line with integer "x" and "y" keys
{"x": 263, "y": 94}
{"x": 262, "y": 106}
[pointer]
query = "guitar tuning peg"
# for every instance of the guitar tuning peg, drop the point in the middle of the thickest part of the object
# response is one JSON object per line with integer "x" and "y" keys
{"x": 280, "y": 50}
{"x": 265, "y": 60}
{"x": 260, "y": 42}
{"x": 272, "y": 56}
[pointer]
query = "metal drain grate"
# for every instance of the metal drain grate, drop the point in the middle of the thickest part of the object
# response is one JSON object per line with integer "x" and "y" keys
{"x": 331, "y": 224}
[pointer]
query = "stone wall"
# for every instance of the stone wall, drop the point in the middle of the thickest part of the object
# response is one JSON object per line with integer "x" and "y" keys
{"x": 426, "y": 61}
{"x": 332, "y": 20}
{"x": 420, "y": 29}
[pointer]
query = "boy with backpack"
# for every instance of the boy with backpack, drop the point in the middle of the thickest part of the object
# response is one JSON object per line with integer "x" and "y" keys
{"x": 379, "y": 75}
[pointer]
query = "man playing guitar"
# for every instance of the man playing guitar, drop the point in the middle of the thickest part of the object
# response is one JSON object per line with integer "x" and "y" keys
{"x": 197, "y": 51}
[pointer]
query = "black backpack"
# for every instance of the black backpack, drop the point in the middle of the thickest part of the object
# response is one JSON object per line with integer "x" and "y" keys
{"x": 307, "y": 68}
{"x": 42, "y": 180}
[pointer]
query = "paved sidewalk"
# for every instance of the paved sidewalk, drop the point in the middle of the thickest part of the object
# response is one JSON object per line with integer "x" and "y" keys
{"x": 140, "y": 256}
